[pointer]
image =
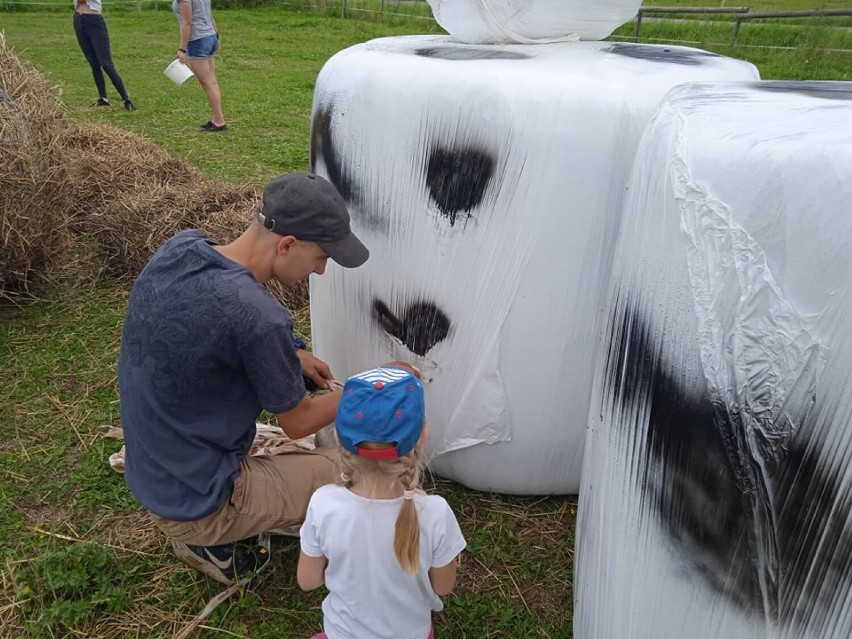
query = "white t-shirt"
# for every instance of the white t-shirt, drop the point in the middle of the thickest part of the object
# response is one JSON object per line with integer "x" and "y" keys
{"x": 370, "y": 595}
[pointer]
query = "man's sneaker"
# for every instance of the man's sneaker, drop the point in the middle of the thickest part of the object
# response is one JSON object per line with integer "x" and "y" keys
{"x": 129, "y": 105}
{"x": 226, "y": 562}
{"x": 102, "y": 102}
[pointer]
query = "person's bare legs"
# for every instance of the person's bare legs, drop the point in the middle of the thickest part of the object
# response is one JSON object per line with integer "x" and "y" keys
{"x": 205, "y": 71}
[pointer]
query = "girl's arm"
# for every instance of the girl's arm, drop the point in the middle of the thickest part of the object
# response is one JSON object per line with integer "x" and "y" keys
{"x": 443, "y": 578}
{"x": 310, "y": 571}
{"x": 185, "y": 27}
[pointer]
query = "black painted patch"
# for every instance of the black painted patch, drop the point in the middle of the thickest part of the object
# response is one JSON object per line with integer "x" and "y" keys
{"x": 458, "y": 178}
{"x": 719, "y": 511}
{"x": 690, "y": 481}
{"x": 421, "y": 326}
{"x": 469, "y": 53}
{"x": 669, "y": 55}
{"x": 826, "y": 90}
{"x": 323, "y": 148}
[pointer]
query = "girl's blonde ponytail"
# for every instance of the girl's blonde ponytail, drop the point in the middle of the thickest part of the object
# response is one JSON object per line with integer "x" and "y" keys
{"x": 406, "y": 540}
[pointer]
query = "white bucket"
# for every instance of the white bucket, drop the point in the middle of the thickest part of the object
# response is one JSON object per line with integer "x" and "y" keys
{"x": 178, "y": 72}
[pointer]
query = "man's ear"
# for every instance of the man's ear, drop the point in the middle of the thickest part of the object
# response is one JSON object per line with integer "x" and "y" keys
{"x": 284, "y": 244}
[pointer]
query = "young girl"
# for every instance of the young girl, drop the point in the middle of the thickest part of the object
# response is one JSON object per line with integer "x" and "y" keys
{"x": 385, "y": 550}
{"x": 93, "y": 38}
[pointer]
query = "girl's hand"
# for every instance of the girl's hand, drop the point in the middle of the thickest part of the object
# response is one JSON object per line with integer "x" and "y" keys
{"x": 181, "y": 55}
{"x": 411, "y": 368}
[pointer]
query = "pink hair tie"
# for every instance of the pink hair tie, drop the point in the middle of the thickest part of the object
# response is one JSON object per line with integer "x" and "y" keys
{"x": 408, "y": 494}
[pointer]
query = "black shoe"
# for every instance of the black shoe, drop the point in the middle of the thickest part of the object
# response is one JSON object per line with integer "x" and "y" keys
{"x": 212, "y": 128}
{"x": 129, "y": 105}
{"x": 207, "y": 125}
{"x": 102, "y": 102}
{"x": 226, "y": 562}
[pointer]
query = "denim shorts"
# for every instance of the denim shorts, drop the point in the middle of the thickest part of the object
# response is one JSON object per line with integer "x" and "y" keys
{"x": 202, "y": 48}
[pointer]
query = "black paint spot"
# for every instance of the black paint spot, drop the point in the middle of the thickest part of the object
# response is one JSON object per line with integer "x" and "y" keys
{"x": 826, "y": 90}
{"x": 323, "y": 148}
{"x": 421, "y": 327}
{"x": 735, "y": 527}
{"x": 655, "y": 53}
{"x": 690, "y": 480}
{"x": 458, "y": 178}
{"x": 814, "y": 540}
{"x": 459, "y": 53}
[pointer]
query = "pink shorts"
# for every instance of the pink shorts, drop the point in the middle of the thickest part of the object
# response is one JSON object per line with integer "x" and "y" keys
{"x": 322, "y": 635}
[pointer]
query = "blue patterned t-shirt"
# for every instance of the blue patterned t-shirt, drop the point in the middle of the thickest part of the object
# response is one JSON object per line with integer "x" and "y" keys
{"x": 204, "y": 348}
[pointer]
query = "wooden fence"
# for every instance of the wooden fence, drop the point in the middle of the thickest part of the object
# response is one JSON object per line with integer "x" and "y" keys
{"x": 741, "y": 14}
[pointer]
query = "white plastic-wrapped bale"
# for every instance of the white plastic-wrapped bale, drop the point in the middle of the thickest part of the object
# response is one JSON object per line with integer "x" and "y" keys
{"x": 532, "y": 21}
{"x": 487, "y": 182}
{"x": 715, "y": 499}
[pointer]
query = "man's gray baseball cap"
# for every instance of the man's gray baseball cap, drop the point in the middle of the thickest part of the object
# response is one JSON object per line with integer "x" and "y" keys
{"x": 309, "y": 208}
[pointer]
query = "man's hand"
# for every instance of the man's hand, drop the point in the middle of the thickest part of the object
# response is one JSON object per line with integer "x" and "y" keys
{"x": 314, "y": 368}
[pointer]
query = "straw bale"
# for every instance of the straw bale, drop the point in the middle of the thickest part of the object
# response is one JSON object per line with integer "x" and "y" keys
{"x": 130, "y": 227}
{"x": 84, "y": 201}
{"x": 33, "y": 226}
{"x": 105, "y": 164}
{"x": 294, "y": 297}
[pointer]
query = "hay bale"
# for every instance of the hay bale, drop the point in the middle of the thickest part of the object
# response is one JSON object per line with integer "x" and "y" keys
{"x": 133, "y": 225}
{"x": 105, "y": 164}
{"x": 295, "y": 296}
{"x": 33, "y": 224}
{"x": 80, "y": 202}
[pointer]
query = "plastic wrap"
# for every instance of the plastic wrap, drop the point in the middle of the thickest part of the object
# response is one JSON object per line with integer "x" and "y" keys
{"x": 715, "y": 499}
{"x": 487, "y": 183}
{"x": 532, "y": 21}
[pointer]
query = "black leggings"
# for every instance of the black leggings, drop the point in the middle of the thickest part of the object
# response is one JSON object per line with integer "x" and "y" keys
{"x": 93, "y": 37}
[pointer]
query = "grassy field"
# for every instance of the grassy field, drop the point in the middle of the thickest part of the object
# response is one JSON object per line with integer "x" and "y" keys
{"x": 77, "y": 557}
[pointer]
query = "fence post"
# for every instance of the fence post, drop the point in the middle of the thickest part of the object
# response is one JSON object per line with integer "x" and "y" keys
{"x": 139, "y": 5}
{"x": 638, "y": 25}
{"x": 343, "y": 9}
{"x": 383, "y": 11}
{"x": 736, "y": 31}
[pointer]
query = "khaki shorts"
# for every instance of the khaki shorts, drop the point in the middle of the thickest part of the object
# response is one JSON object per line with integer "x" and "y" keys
{"x": 271, "y": 493}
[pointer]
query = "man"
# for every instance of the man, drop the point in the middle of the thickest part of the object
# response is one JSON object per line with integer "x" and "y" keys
{"x": 205, "y": 348}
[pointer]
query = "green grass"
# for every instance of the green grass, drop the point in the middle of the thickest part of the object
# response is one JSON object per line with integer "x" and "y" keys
{"x": 780, "y": 51}
{"x": 57, "y": 487}
{"x": 71, "y": 535}
{"x": 269, "y": 61}
{"x": 77, "y": 557}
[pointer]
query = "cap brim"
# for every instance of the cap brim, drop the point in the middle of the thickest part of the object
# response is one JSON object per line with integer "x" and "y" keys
{"x": 348, "y": 252}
